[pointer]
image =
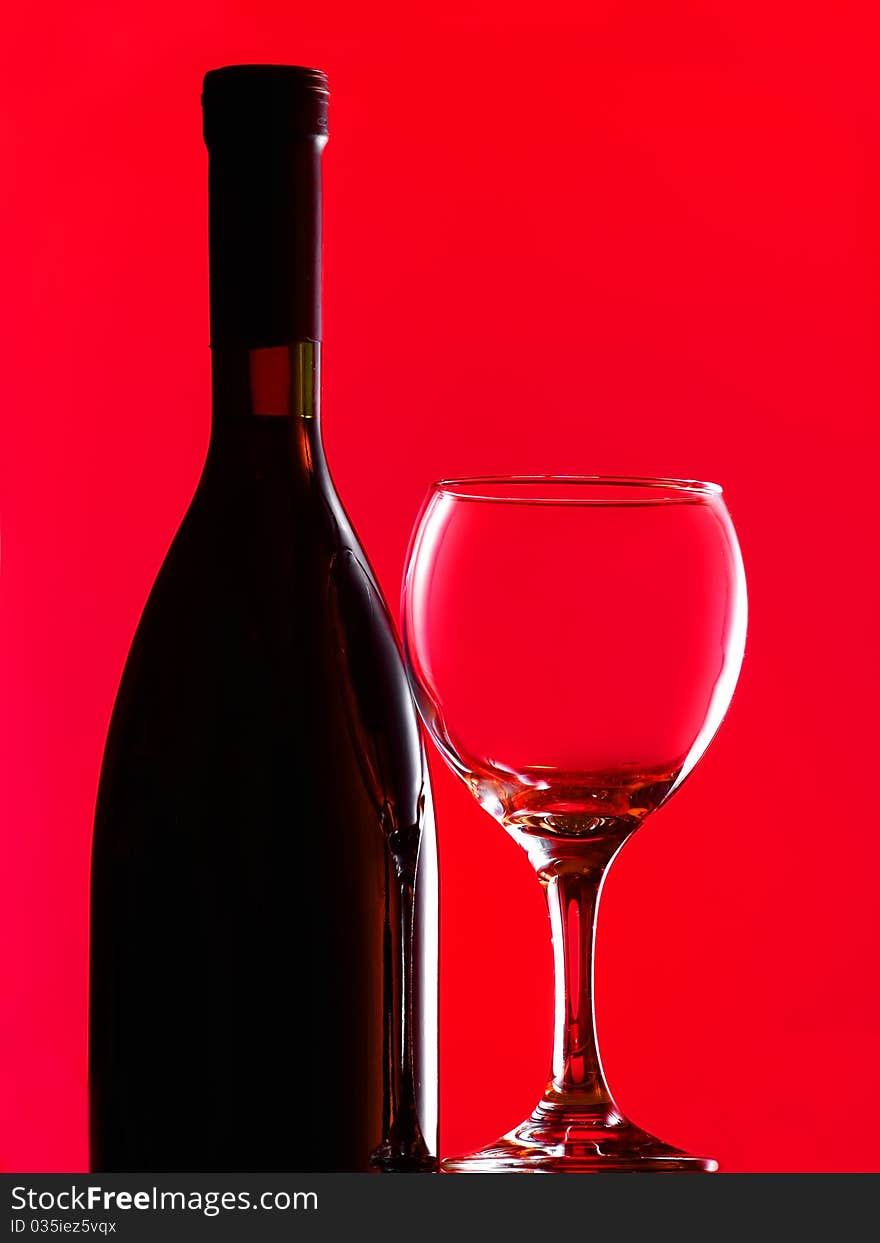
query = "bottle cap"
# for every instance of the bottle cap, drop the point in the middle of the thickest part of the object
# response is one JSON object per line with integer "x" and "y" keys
{"x": 256, "y": 104}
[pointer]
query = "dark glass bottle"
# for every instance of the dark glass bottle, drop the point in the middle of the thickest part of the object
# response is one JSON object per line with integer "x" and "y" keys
{"x": 263, "y": 905}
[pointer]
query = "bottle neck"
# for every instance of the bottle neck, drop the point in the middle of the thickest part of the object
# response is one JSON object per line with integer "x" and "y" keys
{"x": 264, "y": 231}
{"x": 264, "y": 226}
{"x": 273, "y": 381}
{"x": 264, "y": 200}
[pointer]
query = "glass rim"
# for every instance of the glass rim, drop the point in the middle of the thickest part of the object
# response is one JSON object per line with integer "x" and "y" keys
{"x": 506, "y": 489}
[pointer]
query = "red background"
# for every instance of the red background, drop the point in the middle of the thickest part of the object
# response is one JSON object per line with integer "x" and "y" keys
{"x": 623, "y": 237}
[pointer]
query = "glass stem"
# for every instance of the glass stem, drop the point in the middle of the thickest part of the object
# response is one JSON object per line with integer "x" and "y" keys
{"x": 572, "y": 884}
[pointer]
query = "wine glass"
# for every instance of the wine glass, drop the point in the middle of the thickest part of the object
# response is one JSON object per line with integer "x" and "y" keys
{"x": 573, "y": 644}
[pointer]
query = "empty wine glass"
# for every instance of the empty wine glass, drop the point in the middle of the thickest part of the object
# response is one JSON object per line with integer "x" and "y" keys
{"x": 573, "y": 644}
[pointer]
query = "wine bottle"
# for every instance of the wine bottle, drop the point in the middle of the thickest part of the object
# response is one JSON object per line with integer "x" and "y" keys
{"x": 263, "y": 900}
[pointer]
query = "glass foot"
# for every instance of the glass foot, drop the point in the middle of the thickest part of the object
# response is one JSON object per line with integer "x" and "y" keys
{"x": 557, "y": 1141}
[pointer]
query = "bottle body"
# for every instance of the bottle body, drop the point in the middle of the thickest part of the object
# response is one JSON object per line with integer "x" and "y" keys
{"x": 263, "y": 902}
{"x": 245, "y": 891}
